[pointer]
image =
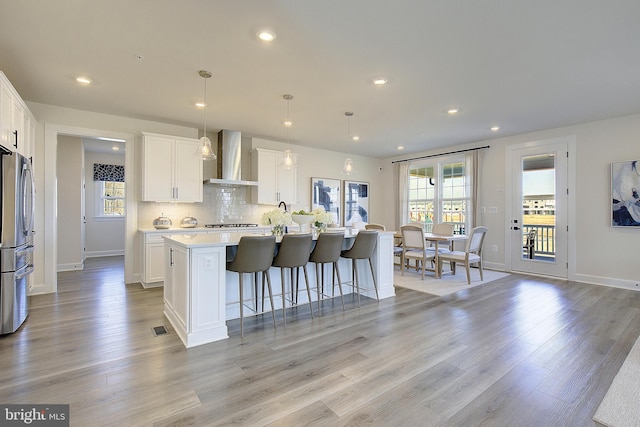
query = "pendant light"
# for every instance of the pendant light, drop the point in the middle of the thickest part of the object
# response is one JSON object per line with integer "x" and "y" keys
{"x": 288, "y": 161}
{"x": 204, "y": 149}
{"x": 347, "y": 169}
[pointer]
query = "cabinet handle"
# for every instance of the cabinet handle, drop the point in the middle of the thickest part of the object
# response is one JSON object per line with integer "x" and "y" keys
{"x": 15, "y": 132}
{"x": 176, "y": 192}
{"x": 170, "y": 257}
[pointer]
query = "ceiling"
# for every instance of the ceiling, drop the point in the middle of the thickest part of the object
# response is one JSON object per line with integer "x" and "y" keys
{"x": 522, "y": 66}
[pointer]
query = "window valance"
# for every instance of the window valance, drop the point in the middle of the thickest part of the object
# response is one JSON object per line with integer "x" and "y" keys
{"x": 103, "y": 172}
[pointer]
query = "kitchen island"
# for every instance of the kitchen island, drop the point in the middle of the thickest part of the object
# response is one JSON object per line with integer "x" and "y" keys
{"x": 200, "y": 295}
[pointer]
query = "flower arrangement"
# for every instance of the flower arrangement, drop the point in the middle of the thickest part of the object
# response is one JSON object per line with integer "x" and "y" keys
{"x": 321, "y": 218}
{"x": 277, "y": 219}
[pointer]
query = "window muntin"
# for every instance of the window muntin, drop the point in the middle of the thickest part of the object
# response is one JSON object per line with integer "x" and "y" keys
{"x": 439, "y": 192}
{"x": 110, "y": 198}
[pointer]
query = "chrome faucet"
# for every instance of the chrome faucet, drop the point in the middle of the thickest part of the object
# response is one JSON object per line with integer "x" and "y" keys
{"x": 283, "y": 203}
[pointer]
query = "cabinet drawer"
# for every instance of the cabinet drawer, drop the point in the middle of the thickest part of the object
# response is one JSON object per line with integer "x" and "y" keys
{"x": 155, "y": 238}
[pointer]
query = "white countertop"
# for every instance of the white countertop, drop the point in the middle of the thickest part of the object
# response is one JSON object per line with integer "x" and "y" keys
{"x": 199, "y": 229}
{"x": 230, "y": 238}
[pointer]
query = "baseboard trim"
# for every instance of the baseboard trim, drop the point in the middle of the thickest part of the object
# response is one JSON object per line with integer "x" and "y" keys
{"x": 96, "y": 254}
{"x": 70, "y": 266}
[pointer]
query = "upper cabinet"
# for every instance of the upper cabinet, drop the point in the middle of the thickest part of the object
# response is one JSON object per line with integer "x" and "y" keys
{"x": 171, "y": 172}
{"x": 17, "y": 124}
{"x": 275, "y": 183}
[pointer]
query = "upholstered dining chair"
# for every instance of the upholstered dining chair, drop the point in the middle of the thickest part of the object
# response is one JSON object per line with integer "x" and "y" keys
{"x": 293, "y": 253}
{"x": 374, "y": 227}
{"x": 471, "y": 255}
{"x": 414, "y": 247}
{"x": 363, "y": 248}
{"x": 255, "y": 255}
{"x": 444, "y": 229}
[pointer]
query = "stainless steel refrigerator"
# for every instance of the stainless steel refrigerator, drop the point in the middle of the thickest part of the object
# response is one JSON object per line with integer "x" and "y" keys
{"x": 16, "y": 238}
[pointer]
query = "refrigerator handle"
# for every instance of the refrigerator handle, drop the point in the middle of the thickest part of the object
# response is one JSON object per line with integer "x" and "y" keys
{"x": 27, "y": 249}
{"x": 27, "y": 271}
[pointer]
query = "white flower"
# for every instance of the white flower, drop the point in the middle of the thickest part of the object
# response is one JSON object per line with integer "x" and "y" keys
{"x": 276, "y": 217}
{"x": 320, "y": 216}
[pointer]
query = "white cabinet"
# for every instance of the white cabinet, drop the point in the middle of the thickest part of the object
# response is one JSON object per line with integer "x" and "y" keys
{"x": 17, "y": 124}
{"x": 275, "y": 183}
{"x": 177, "y": 275}
{"x": 171, "y": 172}
{"x": 197, "y": 313}
{"x": 153, "y": 260}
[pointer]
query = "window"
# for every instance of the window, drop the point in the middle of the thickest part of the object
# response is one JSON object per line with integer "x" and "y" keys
{"x": 109, "y": 199}
{"x": 439, "y": 191}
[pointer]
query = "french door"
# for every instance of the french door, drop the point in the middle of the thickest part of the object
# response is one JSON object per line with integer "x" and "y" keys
{"x": 537, "y": 227}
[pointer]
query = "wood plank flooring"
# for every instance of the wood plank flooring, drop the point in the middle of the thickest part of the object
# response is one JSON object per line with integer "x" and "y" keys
{"x": 521, "y": 351}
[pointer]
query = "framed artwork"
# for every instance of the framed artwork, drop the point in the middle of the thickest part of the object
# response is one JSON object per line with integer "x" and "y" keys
{"x": 625, "y": 194}
{"x": 325, "y": 193}
{"x": 356, "y": 202}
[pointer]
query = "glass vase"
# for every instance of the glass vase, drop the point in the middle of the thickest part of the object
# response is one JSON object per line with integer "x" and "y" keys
{"x": 277, "y": 230}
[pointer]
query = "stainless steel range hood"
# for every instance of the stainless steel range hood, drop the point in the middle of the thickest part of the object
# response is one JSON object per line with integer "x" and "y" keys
{"x": 230, "y": 160}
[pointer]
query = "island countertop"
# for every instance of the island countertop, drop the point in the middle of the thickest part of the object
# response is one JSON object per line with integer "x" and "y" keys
{"x": 231, "y": 238}
{"x": 200, "y": 294}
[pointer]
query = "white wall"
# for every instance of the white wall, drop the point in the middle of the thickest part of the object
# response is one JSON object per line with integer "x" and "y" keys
{"x": 602, "y": 254}
{"x": 103, "y": 236}
{"x": 69, "y": 167}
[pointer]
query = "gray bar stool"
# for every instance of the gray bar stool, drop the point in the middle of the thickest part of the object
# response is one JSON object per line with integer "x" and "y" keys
{"x": 327, "y": 250}
{"x": 362, "y": 248}
{"x": 293, "y": 253}
{"x": 255, "y": 255}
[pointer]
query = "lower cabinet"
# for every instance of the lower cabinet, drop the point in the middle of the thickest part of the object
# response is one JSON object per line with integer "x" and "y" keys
{"x": 153, "y": 259}
{"x": 176, "y": 294}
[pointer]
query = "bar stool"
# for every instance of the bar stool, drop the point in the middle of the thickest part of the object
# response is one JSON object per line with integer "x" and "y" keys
{"x": 255, "y": 254}
{"x": 293, "y": 253}
{"x": 362, "y": 248}
{"x": 327, "y": 250}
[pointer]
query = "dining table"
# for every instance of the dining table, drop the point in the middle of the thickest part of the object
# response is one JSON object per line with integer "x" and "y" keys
{"x": 437, "y": 239}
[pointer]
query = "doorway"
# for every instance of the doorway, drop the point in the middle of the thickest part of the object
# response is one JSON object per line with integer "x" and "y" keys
{"x": 538, "y": 210}
{"x": 52, "y": 131}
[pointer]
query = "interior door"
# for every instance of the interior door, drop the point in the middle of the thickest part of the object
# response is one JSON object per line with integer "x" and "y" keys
{"x": 539, "y": 215}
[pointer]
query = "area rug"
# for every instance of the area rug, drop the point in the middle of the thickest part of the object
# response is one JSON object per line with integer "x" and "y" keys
{"x": 620, "y": 408}
{"x": 448, "y": 284}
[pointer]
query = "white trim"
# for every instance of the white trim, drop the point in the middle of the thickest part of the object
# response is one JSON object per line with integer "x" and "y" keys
{"x": 70, "y": 266}
{"x": 51, "y": 132}
{"x": 96, "y": 254}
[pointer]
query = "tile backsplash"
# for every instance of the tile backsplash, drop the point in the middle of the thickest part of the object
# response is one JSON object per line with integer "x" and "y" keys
{"x": 220, "y": 204}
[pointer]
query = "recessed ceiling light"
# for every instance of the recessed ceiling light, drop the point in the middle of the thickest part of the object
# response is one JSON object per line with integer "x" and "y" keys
{"x": 400, "y": 147}
{"x": 266, "y": 35}
{"x": 200, "y": 104}
{"x": 453, "y": 110}
{"x": 380, "y": 81}
{"x": 495, "y": 128}
{"x": 355, "y": 138}
{"x": 83, "y": 80}
{"x": 288, "y": 123}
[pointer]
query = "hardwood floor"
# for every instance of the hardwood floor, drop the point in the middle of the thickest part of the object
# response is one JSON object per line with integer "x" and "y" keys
{"x": 521, "y": 351}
